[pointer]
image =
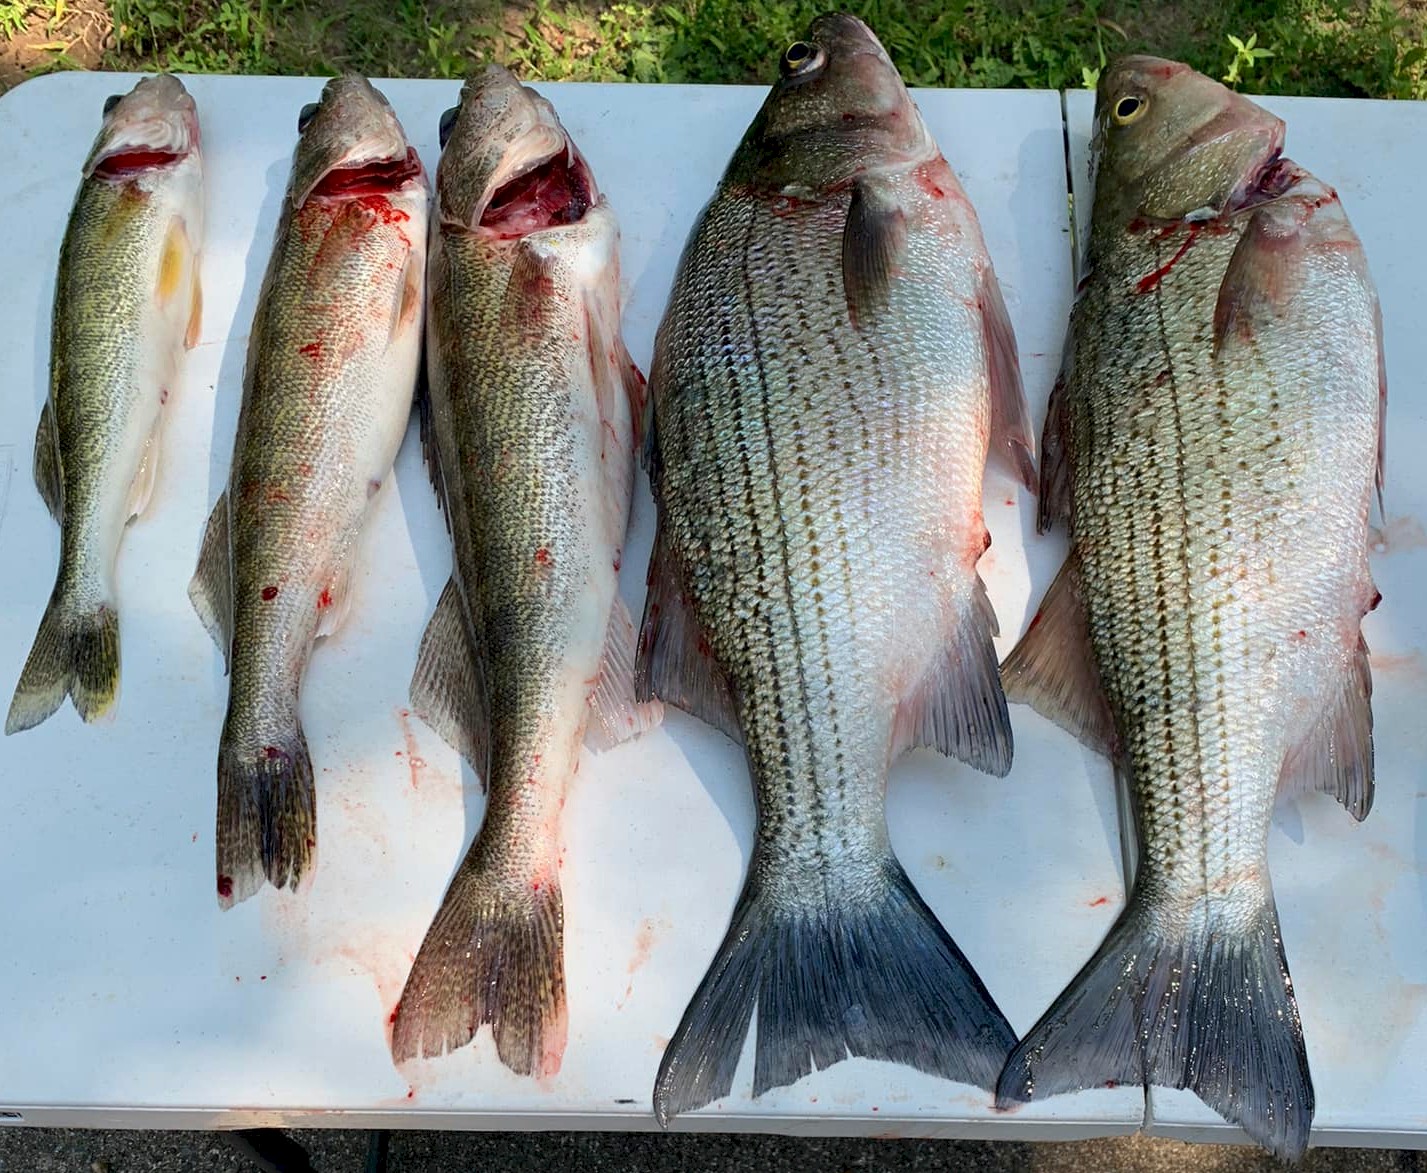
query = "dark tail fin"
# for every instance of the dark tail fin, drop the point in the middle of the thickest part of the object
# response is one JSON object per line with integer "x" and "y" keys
{"x": 76, "y": 654}
{"x": 1208, "y": 1006}
{"x": 267, "y": 815}
{"x": 494, "y": 953}
{"x": 875, "y": 976}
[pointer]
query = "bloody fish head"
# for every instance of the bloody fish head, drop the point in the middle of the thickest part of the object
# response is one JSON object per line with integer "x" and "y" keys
{"x": 153, "y": 125}
{"x": 1173, "y": 144}
{"x": 507, "y": 165}
{"x": 350, "y": 143}
{"x": 839, "y": 108}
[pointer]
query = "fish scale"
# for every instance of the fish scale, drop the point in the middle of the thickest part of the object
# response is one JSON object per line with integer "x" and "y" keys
{"x": 1212, "y": 442}
{"x": 327, "y": 390}
{"x": 529, "y": 432}
{"x": 127, "y": 305}
{"x": 824, "y": 399}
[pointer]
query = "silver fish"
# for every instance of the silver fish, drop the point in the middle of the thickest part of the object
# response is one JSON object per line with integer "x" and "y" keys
{"x": 833, "y": 366}
{"x": 1213, "y": 443}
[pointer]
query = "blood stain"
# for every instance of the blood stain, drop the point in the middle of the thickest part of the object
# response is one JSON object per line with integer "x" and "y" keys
{"x": 1098, "y": 901}
{"x": 269, "y": 594}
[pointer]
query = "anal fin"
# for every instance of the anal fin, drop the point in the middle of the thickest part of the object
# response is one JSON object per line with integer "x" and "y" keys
{"x": 448, "y": 687}
{"x": 211, "y": 589}
{"x": 1053, "y": 670}
{"x": 334, "y": 602}
{"x": 615, "y": 714}
{"x": 674, "y": 661}
{"x": 49, "y": 476}
{"x": 1336, "y": 756}
{"x": 1013, "y": 442}
{"x": 959, "y": 708}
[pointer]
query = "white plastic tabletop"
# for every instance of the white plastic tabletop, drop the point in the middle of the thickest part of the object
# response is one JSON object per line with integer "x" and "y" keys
{"x": 1352, "y": 898}
{"x": 137, "y": 1002}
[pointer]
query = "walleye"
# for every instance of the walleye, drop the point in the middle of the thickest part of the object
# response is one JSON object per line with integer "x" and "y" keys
{"x": 127, "y": 306}
{"x": 529, "y": 429}
{"x": 331, "y": 370}
{"x": 834, "y": 363}
{"x": 1213, "y": 443}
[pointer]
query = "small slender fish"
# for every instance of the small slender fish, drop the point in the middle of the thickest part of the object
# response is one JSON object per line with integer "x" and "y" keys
{"x": 833, "y": 367}
{"x": 332, "y": 367}
{"x": 1213, "y": 442}
{"x": 530, "y": 434}
{"x": 127, "y": 306}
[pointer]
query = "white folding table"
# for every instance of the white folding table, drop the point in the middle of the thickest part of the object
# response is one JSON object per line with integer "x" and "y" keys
{"x": 137, "y": 1003}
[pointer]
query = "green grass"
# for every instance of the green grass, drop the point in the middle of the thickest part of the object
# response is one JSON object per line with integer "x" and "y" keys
{"x": 1348, "y": 48}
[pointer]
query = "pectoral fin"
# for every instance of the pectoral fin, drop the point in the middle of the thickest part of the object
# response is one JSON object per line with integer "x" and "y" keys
{"x": 874, "y": 243}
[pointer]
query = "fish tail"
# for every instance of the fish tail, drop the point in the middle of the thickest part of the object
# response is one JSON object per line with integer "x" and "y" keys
{"x": 863, "y": 973}
{"x": 494, "y": 954}
{"x": 267, "y": 813}
{"x": 75, "y": 654}
{"x": 1203, "y": 1002}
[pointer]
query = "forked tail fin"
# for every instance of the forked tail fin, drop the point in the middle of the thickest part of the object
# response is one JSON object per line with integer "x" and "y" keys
{"x": 869, "y": 974}
{"x": 494, "y": 954}
{"x": 1202, "y": 1002}
{"x": 75, "y": 654}
{"x": 267, "y": 814}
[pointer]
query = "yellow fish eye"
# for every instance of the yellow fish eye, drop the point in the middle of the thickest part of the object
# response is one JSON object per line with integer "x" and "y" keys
{"x": 801, "y": 57}
{"x": 1129, "y": 108}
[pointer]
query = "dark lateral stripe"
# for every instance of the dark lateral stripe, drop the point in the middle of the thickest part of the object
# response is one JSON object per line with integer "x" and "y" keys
{"x": 786, "y": 725}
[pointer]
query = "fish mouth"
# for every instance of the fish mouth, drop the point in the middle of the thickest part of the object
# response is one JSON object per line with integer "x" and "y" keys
{"x": 369, "y": 177}
{"x": 556, "y": 191}
{"x": 145, "y": 145}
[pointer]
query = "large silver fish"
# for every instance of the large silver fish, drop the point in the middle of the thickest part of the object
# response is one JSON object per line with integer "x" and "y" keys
{"x": 127, "y": 305}
{"x": 1213, "y": 443}
{"x": 332, "y": 367}
{"x": 833, "y": 365}
{"x": 530, "y": 433}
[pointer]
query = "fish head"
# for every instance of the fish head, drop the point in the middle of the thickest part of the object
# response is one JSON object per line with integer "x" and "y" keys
{"x": 838, "y": 109}
{"x": 508, "y": 167}
{"x": 154, "y": 125}
{"x": 350, "y": 143}
{"x": 1172, "y": 144}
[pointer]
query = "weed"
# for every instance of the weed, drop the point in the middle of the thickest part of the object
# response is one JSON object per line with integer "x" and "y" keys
{"x": 13, "y": 16}
{"x": 1374, "y": 48}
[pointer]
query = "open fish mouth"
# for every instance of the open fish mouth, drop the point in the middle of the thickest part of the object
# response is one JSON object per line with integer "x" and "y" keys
{"x": 370, "y": 177}
{"x": 559, "y": 190}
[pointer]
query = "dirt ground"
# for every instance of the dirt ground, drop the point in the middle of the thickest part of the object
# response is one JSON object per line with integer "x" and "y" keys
{"x": 75, "y": 39}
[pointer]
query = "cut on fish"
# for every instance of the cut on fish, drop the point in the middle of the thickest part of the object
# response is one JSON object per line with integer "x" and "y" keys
{"x": 529, "y": 425}
{"x": 834, "y": 365}
{"x": 127, "y": 307}
{"x": 1214, "y": 442}
{"x": 331, "y": 370}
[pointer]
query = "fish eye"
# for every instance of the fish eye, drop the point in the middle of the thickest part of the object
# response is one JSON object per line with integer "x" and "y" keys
{"x": 111, "y": 101}
{"x": 448, "y": 120}
{"x": 1128, "y": 108}
{"x": 308, "y": 113}
{"x": 801, "y": 58}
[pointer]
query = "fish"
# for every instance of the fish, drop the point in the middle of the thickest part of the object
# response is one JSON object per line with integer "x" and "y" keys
{"x": 1214, "y": 443}
{"x": 833, "y": 368}
{"x": 530, "y": 428}
{"x": 331, "y": 372}
{"x": 127, "y": 307}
